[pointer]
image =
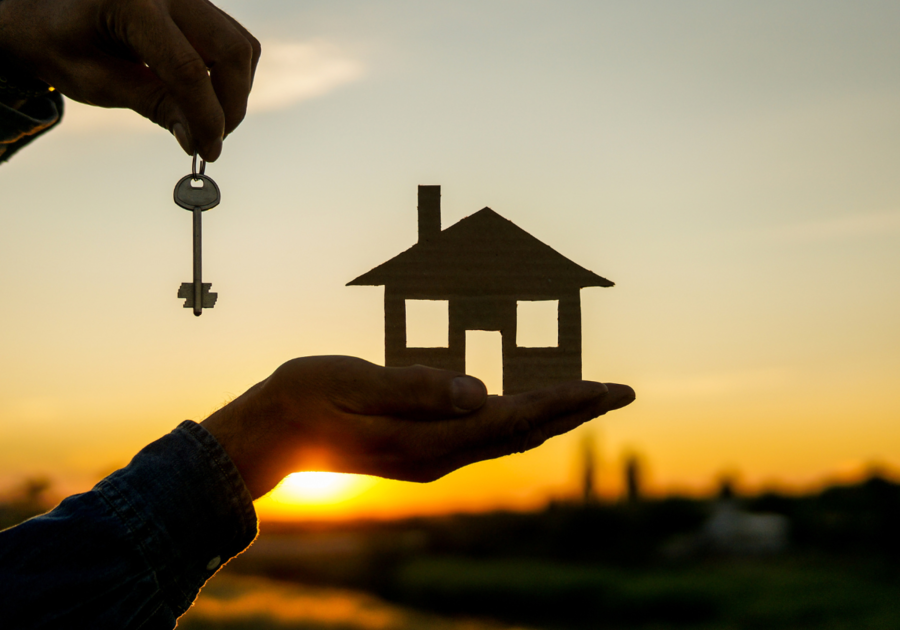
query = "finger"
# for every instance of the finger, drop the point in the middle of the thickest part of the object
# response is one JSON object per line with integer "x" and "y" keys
{"x": 411, "y": 392}
{"x": 256, "y": 48}
{"x": 254, "y": 43}
{"x": 498, "y": 429}
{"x": 228, "y": 52}
{"x": 521, "y": 426}
{"x": 618, "y": 396}
{"x": 158, "y": 42}
{"x": 515, "y": 424}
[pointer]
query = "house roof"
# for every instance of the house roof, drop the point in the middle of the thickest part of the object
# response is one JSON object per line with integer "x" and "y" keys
{"x": 483, "y": 254}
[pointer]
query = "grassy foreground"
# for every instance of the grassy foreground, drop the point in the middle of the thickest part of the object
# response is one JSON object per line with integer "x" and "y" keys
{"x": 468, "y": 594}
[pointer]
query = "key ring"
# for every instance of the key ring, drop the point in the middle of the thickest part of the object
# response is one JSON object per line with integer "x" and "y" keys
{"x": 194, "y": 172}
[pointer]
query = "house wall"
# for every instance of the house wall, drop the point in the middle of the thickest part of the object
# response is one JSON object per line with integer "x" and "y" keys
{"x": 524, "y": 369}
{"x": 396, "y": 354}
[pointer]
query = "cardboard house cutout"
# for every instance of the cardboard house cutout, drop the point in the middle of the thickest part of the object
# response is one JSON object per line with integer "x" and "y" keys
{"x": 483, "y": 266}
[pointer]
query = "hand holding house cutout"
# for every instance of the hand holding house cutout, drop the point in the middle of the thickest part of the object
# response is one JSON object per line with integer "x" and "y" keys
{"x": 416, "y": 423}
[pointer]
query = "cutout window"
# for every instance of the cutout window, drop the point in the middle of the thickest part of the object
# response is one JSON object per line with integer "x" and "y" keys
{"x": 537, "y": 324}
{"x": 427, "y": 323}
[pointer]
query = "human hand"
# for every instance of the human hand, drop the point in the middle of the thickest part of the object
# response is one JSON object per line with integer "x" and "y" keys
{"x": 184, "y": 64}
{"x": 417, "y": 423}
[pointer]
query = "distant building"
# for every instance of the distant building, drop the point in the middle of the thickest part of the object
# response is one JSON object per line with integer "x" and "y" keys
{"x": 733, "y": 531}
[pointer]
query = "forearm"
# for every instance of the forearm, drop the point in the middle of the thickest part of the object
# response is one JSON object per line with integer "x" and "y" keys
{"x": 27, "y": 105}
{"x": 27, "y": 110}
{"x": 135, "y": 550}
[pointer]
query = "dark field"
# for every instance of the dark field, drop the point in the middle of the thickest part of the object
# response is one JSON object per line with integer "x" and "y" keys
{"x": 773, "y": 594}
{"x": 823, "y": 561}
{"x": 827, "y": 561}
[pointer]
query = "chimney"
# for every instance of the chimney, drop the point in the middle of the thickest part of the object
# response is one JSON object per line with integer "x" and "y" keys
{"x": 429, "y": 212}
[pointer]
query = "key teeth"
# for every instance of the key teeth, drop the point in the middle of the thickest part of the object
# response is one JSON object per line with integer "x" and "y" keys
{"x": 208, "y": 298}
{"x": 186, "y": 292}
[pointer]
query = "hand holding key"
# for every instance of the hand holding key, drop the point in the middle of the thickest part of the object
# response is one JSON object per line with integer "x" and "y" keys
{"x": 197, "y": 192}
{"x": 184, "y": 64}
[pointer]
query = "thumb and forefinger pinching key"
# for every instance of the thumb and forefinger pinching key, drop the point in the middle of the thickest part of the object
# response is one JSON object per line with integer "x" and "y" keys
{"x": 197, "y": 192}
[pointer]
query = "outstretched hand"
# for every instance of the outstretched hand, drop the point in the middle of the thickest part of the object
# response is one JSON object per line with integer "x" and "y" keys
{"x": 416, "y": 424}
{"x": 184, "y": 64}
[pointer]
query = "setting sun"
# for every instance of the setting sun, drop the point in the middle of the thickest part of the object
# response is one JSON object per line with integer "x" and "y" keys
{"x": 317, "y": 489}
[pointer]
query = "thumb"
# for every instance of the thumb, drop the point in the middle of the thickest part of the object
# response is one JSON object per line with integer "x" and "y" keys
{"x": 416, "y": 391}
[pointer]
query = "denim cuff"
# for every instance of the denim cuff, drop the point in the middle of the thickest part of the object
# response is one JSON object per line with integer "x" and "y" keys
{"x": 184, "y": 501}
{"x": 20, "y": 126}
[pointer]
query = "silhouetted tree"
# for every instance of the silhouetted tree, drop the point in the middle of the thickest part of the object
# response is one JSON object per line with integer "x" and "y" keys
{"x": 29, "y": 499}
{"x": 588, "y": 491}
{"x": 633, "y": 478}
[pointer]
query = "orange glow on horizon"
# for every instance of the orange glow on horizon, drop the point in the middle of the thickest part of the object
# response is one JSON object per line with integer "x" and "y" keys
{"x": 314, "y": 492}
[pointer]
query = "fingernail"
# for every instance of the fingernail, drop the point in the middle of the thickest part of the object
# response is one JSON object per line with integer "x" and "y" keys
{"x": 619, "y": 395}
{"x": 181, "y": 135}
{"x": 215, "y": 150}
{"x": 599, "y": 389}
{"x": 468, "y": 393}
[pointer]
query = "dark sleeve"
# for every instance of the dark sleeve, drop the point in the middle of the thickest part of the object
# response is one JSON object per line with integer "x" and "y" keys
{"x": 20, "y": 126}
{"x": 135, "y": 550}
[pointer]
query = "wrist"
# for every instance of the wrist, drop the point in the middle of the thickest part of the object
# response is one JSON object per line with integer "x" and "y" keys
{"x": 239, "y": 427}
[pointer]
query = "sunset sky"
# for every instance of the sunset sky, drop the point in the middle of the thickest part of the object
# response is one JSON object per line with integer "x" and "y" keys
{"x": 733, "y": 167}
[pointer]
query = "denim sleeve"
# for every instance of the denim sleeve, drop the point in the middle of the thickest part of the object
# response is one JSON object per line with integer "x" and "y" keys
{"x": 135, "y": 550}
{"x": 20, "y": 126}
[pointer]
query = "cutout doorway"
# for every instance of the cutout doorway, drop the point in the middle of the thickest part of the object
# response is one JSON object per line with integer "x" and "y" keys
{"x": 484, "y": 358}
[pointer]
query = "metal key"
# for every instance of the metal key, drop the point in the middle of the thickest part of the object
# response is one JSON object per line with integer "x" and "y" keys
{"x": 197, "y": 192}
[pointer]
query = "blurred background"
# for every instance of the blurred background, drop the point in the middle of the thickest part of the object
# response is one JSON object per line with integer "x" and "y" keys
{"x": 732, "y": 167}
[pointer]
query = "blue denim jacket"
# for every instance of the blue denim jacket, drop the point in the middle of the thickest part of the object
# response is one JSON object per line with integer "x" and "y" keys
{"x": 20, "y": 126}
{"x": 135, "y": 550}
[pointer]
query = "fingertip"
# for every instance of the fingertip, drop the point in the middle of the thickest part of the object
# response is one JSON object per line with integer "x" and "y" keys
{"x": 468, "y": 393}
{"x": 619, "y": 395}
{"x": 213, "y": 150}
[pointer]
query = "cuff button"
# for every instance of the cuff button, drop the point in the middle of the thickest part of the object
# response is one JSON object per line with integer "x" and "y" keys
{"x": 214, "y": 563}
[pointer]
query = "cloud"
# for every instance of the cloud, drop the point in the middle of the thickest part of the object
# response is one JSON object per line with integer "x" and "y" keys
{"x": 289, "y": 73}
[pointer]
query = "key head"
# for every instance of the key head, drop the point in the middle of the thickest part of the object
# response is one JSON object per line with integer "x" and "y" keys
{"x": 197, "y": 191}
